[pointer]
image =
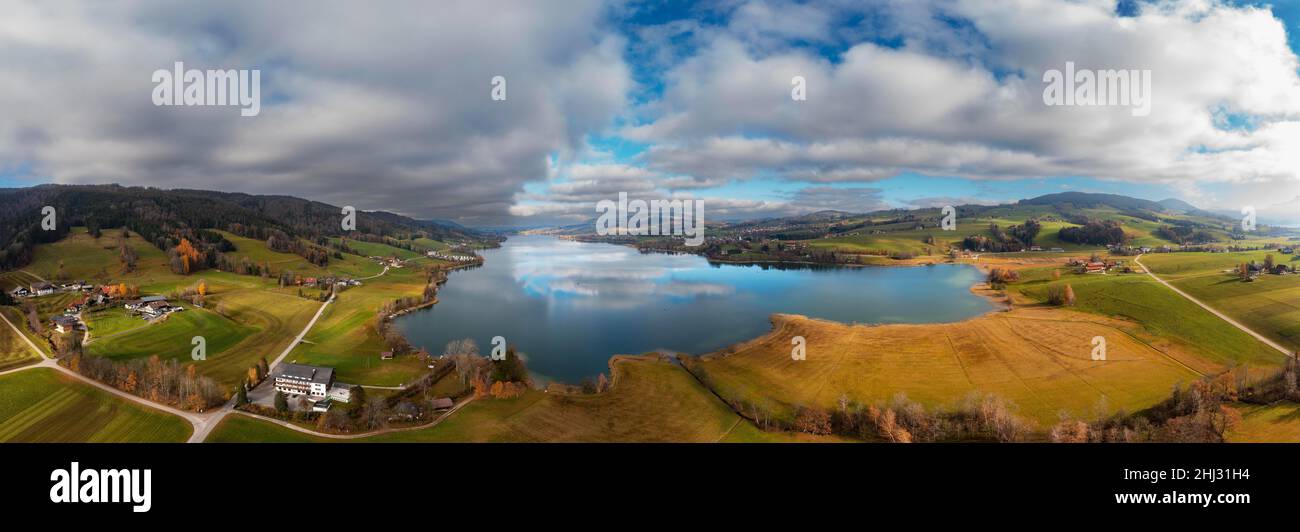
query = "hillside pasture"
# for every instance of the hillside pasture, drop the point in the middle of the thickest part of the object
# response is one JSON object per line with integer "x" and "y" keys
{"x": 239, "y": 326}
{"x": 346, "y": 337}
{"x": 80, "y": 256}
{"x": 376, "y": 249}
{"x": 257, "y": 252}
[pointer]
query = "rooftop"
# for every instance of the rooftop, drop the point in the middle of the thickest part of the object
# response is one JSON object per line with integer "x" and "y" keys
{"x": 307, "y": 373}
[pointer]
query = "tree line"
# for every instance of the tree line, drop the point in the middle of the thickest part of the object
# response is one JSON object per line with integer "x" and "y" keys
{"x": 162, "y": 381}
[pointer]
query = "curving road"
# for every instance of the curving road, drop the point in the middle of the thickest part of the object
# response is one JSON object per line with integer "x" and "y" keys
{"x": 332, "y": 436}
{"x": 205, "y": 422}
{"x": 197, "y": 420}
{"x": 1221, "y": 315}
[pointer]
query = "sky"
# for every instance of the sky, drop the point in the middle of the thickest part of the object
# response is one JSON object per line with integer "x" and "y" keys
{"x": 909, "y": 103}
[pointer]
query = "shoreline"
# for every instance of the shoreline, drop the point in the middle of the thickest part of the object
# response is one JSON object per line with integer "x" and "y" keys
{"x": 998, "y": 300}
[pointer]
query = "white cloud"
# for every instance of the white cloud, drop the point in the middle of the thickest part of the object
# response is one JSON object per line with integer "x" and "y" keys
{"x": 975, "y": 109}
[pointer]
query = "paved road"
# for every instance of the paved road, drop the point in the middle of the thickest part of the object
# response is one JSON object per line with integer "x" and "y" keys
{"x": 1221, "y": 315}
{"x": 304, "y": 430}
{"x": 201, "y": 432}
{"x": 198, "y": 420}
{"x": 295, "y": 342}
{"x": 375, "y": 275}
{"x": 203, "y": 423}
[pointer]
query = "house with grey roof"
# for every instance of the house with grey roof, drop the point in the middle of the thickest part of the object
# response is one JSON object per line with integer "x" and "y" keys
{"x": 64, "y": 324}
{"x": 301, "y": 379}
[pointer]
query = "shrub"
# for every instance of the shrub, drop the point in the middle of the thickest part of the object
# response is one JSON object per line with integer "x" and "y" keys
{"x": 812, "y": 421}
{"x": 1060, "y": 295}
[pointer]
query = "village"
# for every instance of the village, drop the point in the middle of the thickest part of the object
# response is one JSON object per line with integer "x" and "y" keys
{"x": 147, "y": 308}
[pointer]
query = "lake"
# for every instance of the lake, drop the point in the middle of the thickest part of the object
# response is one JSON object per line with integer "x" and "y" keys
{"x": 569, "y": 306}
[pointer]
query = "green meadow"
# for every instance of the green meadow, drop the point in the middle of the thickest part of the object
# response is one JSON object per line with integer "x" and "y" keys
{"x": 1270, "y": 305}
{"x": 44, "y": 405}
{"x": 346, "y": 337}
{"x": 369, "y": 249}
{"x": 1165, "y": 319}
{"x": 257, "y": 252}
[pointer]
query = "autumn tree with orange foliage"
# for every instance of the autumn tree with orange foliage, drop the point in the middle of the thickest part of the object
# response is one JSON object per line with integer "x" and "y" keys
{"x": 185, "y": 258}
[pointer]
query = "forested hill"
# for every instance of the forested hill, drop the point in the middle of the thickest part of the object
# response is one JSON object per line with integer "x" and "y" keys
{"x": 165, "y": 217}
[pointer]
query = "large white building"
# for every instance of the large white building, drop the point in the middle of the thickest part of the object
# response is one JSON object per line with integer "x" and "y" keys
{"x": 301, "y": 379}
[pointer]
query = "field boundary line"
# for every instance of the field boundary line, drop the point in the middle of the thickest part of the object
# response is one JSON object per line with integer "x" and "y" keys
{"x": 957, "y": 356}
{"x": 1051, "y": 354}
{"x": 1130, "y": 335}
{"x": 729, "y": 429}
{"x": 38, "y": 278}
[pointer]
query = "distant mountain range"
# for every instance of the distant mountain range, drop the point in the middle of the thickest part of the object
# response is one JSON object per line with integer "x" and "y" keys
{"x": 1077, "y": 200}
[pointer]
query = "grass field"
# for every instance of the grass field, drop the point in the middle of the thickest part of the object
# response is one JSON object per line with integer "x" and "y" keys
{"x": 14, "y": 278}
{"x": 1270, "y": 305}
{"x": 238, "y": 428}
{"x": 904, "y": 237}
{"x": 107, "y": 321}
{"x": 1275, "y": 423}
{"x": 16, "y": 317}
{"x": 14, "y": 351}
{"x": 429, "y": 244}
{"x": 82, "y": 257}
{"x": 383, "y": 250}
{"x": 346, "y": 339}
{"x": 43, "y": 405}
{"x": 652, "y": 401}
{"x": 1038, "y": 359}
{"x": 1173, "y": 266}
{"x": 1167, "y": 320}
{"x": 170, "y": 337}
{"x": 256, "y": 251}
{"x": 909, "y": 239}
{"x": 244, "y": 319}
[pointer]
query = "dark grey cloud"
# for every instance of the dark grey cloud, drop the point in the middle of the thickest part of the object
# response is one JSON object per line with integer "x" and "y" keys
{"x": 380, "y": 106}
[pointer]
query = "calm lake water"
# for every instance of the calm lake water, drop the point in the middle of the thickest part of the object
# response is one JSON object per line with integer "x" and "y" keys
{"x": 569, "y": 306}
